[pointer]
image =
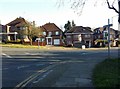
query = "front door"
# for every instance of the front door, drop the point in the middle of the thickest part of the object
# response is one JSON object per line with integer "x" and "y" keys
{"x": 49, "y": 40}
{"x": 88, "y": 44}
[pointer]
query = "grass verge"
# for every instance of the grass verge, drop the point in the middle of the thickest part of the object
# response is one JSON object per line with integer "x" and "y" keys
{"x": 33, "y": 46}
{"x": 107, "y": 74}
{"x": 19, "y": 46}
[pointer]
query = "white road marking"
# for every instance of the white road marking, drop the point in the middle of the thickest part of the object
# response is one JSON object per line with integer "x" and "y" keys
{"x": 40, "y": 64}
{"x": 39, "y": 57}
{"x": 6, "y": 55}
{"x": 19, "y": 67}
{"x": 27, "y": 53}
{"x": 39, "y": 54}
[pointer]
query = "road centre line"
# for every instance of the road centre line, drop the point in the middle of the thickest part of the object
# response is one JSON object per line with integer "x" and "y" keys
{"x": 29, "y": 79}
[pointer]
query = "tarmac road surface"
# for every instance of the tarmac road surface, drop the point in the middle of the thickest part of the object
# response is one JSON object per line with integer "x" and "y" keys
{"x": 50, "y": 67}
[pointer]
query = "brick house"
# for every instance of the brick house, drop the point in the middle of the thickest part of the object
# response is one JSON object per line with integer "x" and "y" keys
{"x": 79, "y": 36}
{"x": 101, "y": 36}
{"x": 52, "y": 34}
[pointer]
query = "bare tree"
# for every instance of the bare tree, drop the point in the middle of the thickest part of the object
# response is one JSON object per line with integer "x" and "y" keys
{"x": 78, "y": 5}
{"x": 31, "y": 31}
{"x": 112, "y": 7}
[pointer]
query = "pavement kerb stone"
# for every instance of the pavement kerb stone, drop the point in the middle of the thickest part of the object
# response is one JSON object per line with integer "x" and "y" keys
{"x": 73, "y": 48}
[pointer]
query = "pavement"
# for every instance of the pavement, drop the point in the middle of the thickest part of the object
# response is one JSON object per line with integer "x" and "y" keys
{"x": 77, "y": 75}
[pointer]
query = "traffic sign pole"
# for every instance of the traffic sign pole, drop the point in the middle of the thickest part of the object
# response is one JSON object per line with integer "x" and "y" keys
{"x": 108, "y": 26}
{"x": 108, "y": 38}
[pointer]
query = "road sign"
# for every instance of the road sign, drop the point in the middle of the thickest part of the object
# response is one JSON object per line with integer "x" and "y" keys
{"x": 108, "y": 25}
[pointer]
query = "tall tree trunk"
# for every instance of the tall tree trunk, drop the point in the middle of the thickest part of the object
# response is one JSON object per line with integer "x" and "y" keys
{"x": 31, "y": 41}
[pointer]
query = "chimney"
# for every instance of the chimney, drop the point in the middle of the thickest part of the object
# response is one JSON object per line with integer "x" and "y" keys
{"x": 34, "y": 23}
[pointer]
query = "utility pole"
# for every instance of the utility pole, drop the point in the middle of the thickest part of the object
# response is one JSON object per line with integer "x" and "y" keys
{"x": 108, "y": 26}
{"x": 108, "y": 38}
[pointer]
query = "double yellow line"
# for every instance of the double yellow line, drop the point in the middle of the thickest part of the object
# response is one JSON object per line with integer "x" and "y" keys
{"x": 29, "y": 79}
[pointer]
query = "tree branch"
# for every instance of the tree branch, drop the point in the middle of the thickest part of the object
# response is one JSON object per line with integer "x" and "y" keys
{"x": 112, "y": 7}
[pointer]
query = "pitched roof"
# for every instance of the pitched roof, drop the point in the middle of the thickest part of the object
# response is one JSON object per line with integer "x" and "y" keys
{"x": 18, "y": 22}
{"x": 101, "y": 29}
{"x": 50, "y": 27}
{"x": 42, "y": 28}
{"x": 80, "y": 29}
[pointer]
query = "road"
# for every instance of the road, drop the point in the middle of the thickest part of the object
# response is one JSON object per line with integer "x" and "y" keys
{"x": 34, "y": 67}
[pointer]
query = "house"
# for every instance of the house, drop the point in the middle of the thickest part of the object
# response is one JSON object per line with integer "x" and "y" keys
{"x": 79, "y": 36}
{"x": 3, "y": 30}
{"x": 101, "y": 36}
{"x": 52, "y": 34}
{"x": 18, "y": 25}
{"x": 2, "y": 37}
{"x": 6, "y": 34}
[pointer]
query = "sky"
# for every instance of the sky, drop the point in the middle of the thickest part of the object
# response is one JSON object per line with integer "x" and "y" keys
{"x": 44, "y": 11}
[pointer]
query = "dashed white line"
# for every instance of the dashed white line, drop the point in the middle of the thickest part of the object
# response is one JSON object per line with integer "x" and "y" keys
{"x": 19, "y": 67}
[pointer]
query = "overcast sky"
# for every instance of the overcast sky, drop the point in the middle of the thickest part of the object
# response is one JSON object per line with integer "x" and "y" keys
{"x": 44, "y": 11}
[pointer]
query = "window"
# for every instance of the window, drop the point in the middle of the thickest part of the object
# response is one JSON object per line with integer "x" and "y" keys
{"x": 50, "y": 33}
{"x": 96, "y": 31}
{"x": 22, "y": 28}
{"x": 44, "y": 33}
{"x": 87, "y": 36}
{"x": 68, "y": 36}
{"x": 42, "y": 39}
{"x": 56, "y": 41}
{"x": 75, "y": 36}
{"x": 99, "y": 36}
{"x": 57, "y": 33}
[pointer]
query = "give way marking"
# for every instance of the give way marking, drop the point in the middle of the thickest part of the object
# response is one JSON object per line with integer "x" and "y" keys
{"x": 3, "y": 54}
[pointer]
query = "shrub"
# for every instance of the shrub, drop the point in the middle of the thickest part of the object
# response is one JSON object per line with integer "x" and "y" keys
{"x": 18, "y": 41}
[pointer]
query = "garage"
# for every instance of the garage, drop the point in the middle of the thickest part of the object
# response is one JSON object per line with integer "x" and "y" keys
{"x": 56, "y": 41}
